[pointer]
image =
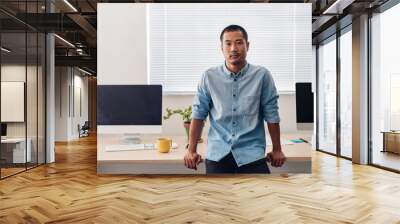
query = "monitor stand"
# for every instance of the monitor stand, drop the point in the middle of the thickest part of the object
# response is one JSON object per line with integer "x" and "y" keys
{"x": 131, "y": 138}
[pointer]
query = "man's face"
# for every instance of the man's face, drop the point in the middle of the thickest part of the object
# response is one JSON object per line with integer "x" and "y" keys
{"x": 234, "y": 47}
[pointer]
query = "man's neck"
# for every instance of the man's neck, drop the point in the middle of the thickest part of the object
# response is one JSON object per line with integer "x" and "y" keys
{"x": 235, "y": 68}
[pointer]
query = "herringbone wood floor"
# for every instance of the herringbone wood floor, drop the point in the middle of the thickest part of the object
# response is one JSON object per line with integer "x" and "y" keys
{"x": 70, "y": 191}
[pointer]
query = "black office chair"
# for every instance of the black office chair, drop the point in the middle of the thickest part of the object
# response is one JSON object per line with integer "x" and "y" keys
{"x": 84, "y": 130}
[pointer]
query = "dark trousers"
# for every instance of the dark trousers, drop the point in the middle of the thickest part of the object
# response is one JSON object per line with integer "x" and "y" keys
{"x": 228, "y": 165}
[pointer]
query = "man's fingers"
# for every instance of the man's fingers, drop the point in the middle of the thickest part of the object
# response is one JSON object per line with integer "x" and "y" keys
{"x": 190, "y": 163}
{"x": 276, "y": 162}
{"x": 281, "y": 162}
{"x": 194, "y": 164}
{"x": 268, "y": 158}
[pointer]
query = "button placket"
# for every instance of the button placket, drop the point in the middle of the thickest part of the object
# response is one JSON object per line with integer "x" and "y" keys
{"x": 234, "y": 108}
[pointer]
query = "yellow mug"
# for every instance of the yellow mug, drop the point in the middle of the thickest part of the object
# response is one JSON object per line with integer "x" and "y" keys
{"x": 164, "y": 145}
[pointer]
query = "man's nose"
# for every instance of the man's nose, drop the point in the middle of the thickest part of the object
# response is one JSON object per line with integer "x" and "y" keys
{"x": 233, "y": 47}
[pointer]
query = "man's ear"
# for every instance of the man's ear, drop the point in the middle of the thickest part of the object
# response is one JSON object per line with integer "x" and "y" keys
{"x": 248, "y": 45}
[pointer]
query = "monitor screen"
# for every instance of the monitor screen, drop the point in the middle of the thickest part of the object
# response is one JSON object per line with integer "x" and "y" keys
{"x": 3, "y": 129}
{"x": 304, "y": 103}
{"x": 129, "y": 104}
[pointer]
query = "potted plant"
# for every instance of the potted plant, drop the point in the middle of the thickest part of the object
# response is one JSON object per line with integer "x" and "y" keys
{"x": 186, "y": 114}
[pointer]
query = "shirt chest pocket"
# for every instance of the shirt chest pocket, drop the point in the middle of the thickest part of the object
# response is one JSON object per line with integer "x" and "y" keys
{"x": 250, "y": 105}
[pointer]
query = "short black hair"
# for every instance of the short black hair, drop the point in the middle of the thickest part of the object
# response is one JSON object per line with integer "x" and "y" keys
{"x": 233, "y": 27}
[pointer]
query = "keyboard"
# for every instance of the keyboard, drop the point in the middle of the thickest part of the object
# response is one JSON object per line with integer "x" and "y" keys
{"x": 134, "y": 147}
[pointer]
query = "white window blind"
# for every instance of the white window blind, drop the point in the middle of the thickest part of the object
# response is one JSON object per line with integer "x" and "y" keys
{"x": 183, "y": 41}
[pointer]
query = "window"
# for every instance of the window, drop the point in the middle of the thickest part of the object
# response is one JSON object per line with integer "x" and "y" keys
{"x": 385, "y": 88}
{"x": 327, "y": 96}
{"x": 183, "y": 41}
{"x": 346, "y": 75}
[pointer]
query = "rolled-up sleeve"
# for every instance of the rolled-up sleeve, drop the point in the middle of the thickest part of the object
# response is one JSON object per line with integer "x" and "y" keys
{"x": 269, "y": 101}
{"x": 202, "y": 100}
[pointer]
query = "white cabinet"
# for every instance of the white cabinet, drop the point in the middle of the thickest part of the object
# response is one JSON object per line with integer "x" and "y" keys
{"x": 18, "y": 149}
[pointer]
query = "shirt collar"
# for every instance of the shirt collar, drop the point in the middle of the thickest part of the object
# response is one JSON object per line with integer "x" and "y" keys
{"x": 230, "y": 74}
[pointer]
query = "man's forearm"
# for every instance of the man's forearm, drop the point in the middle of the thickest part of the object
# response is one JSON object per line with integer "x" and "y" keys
{"x": 195, "y": 131}
{"x": 274, "y": 131}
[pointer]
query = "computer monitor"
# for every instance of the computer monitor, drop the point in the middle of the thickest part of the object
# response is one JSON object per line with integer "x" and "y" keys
{"x": 304, "y": 103}
{"x": 129, "y": 109}
{"x": 3, "y": 129}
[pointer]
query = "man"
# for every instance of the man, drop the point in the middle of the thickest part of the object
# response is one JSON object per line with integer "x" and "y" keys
{"x": 238, "y": 97}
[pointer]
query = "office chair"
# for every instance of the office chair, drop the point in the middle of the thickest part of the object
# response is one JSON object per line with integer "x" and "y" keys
{"x": 84, "y": 130}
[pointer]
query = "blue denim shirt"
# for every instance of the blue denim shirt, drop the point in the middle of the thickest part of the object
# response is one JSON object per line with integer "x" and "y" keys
{"x": 237, "y": 105}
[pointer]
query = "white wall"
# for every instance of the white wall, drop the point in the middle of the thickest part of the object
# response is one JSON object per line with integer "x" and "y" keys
{"x": 61, "y": 103}
{"x": 120, "y": 28}
{"x": 82, "y": 83}
{"x": 67, "y": 112}
{"x": 121, "y": 60}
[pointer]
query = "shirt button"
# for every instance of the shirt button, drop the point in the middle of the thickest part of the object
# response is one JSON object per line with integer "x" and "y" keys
{"x": 233, "y": 135}
{"x": 234, "y": 95}
{"x": 235, "y": 80}
{"x": 234, "y": 109}
{"x": 234, "y": 123}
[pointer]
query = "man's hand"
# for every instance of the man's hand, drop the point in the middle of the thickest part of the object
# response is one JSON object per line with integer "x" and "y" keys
{"x": 192, "y": 159}
{"x": 276, "y": 157}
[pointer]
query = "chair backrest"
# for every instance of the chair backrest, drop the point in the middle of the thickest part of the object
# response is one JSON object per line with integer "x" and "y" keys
{"x": 86, "y": 125}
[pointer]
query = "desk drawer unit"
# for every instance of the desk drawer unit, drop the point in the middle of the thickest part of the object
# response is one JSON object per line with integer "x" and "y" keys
{"x": 391, "y": 142}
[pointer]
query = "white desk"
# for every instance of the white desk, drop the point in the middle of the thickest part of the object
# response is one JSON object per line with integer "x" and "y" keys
{"x": 152, "y": 162}
{"x": 18, "y": 151}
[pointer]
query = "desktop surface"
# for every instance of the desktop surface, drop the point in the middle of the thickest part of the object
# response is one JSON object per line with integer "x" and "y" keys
{"x": 296, "y": 151}
{"x": 135, "y": 147}
{"x": 106, "y": 140}
{"x": 154, "y": 162}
